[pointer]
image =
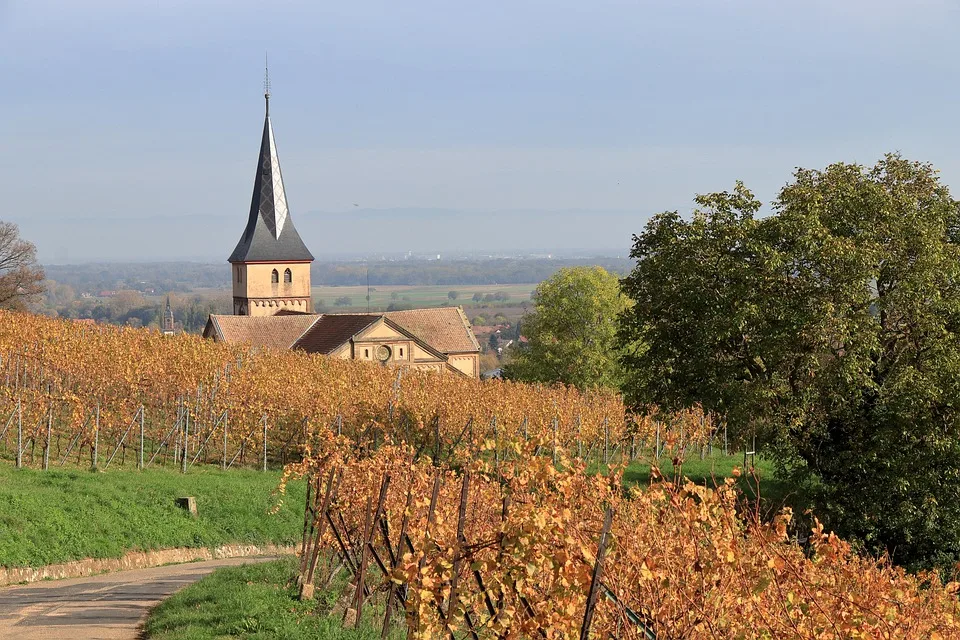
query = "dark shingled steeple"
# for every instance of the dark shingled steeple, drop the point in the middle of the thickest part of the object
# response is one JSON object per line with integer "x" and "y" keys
{"x": 270, "y": 235}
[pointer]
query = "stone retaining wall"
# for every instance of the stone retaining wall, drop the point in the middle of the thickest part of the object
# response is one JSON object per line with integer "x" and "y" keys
{"x": 135, "y": 560}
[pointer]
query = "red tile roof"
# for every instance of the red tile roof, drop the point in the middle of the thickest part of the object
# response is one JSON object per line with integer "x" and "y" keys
{"x": 278, "y": 332}
{"x": 443, "y": 329}
{"x": 446, "y": 329}
{"x": 332, "y": 330}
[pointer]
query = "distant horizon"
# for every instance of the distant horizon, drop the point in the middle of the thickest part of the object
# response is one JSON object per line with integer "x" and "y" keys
{"x": 479, "y": 255}
{"x": 474, "y": 232}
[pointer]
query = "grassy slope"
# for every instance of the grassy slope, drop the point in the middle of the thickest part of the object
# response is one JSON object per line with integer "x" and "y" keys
{"x": 61, "y": 515}
{"x": 255, "y": 601}
{"x": 56, "y": 516}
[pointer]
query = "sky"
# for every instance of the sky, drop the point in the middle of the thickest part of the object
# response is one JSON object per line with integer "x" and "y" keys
{"x": 129, "y": 129}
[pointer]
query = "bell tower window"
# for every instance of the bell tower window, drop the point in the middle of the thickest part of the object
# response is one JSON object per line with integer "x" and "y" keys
{"x": 287, "y": 276}
{"x": 275, "y": 277}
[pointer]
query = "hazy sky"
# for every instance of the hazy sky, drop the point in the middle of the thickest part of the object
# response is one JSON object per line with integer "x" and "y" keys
{"x": 150, "y": 110}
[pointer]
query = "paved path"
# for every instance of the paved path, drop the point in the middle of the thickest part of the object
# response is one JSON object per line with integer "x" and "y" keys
{"x": 105, "y": 607}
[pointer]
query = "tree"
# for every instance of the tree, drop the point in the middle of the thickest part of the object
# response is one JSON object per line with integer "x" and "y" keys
{"x": 453, "y": 295}
{"x": 477, "y": 297}
{"x": 21, "y": 277}
{"x": 58, "y": 295}
{"x": 489, "y": 361}
{"x": 126, "y": 301}
{"x": 343, "y": 301}
{"x": 832, "y": 329}
{"x": 572, "y": 330}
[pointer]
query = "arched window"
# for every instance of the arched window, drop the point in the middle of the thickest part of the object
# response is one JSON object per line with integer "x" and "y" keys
{"x": 288, "y": 276}
{"x": 275, "y": 277}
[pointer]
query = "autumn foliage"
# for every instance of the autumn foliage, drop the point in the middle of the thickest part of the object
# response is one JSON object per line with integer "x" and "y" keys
{"x": 81, "y": 369}
{"x": 684, "y": 561}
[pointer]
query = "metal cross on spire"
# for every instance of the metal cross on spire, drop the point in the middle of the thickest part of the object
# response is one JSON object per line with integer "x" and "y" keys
{"x": 266, "y": 81}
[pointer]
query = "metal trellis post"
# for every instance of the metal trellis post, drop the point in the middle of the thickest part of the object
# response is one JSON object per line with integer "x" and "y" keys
{"x": 46, "y": 445}
{"x": 19, "y": 434}
{"x": 140, "y": 460}
{"x": 226, "y": 419}
{"x": 186, "y": 441}
{"x": 96, "y": 437}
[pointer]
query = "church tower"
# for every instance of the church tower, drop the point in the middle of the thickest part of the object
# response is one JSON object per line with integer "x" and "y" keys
{"x": 270, "y": 265}
{"x": 169, "y": 325}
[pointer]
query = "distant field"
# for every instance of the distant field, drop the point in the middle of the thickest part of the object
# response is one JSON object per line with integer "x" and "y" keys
{"x": 383, "y": 295}
{"x": 420, "y": 296}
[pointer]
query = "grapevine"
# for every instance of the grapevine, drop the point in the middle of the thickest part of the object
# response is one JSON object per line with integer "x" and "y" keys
{"x": 510, "y": 551}
{"x": 210, "y": 402}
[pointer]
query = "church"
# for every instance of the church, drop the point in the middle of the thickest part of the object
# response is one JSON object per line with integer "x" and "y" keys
{"x": 272, "y": 303}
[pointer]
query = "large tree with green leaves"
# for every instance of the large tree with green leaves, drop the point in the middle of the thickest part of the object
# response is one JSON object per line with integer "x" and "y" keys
{"x": 832, "y": 329}
{"x": 572, "y": 330}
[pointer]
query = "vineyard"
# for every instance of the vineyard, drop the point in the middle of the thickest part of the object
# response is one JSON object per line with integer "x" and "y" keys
{"x": 463, "y": 508}
{"x": 529, "y": 548}
{"x": 101, "y": 396}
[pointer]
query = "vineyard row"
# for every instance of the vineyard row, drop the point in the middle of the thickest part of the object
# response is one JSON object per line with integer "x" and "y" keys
{"x": 79, "y": 390}
{"x": 530, "y": 550}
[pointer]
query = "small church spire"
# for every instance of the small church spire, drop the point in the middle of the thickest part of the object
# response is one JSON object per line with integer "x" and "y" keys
{"x": 168, "y": 325}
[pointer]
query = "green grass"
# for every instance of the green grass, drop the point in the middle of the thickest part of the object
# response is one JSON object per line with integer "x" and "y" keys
{"x": 258, "y": 602}
{"x": 713, "y": 470}
{"x": 57, "y": 516}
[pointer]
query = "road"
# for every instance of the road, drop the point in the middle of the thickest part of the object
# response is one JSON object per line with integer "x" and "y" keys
{"x": 105, "y": 607}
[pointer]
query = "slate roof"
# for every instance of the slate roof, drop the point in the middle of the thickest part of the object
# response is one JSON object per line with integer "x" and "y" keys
{"x": 332, "y": 330}
{"x": 446, "y": 329}
{"x": 278, "y": 332}
{"x": 269, "y": 235}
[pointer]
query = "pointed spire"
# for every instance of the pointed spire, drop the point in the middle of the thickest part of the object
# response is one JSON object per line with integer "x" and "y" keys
{"x": 270, "y": 234}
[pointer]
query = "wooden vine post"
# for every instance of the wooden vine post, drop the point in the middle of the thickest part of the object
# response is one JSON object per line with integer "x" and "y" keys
{"x": 452, "y": 603}
{"x": 597, "y": 573}
{"x": 395, "y": 560}
{"x": 311, "y": 554}
{"x": 366, "y": 548}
